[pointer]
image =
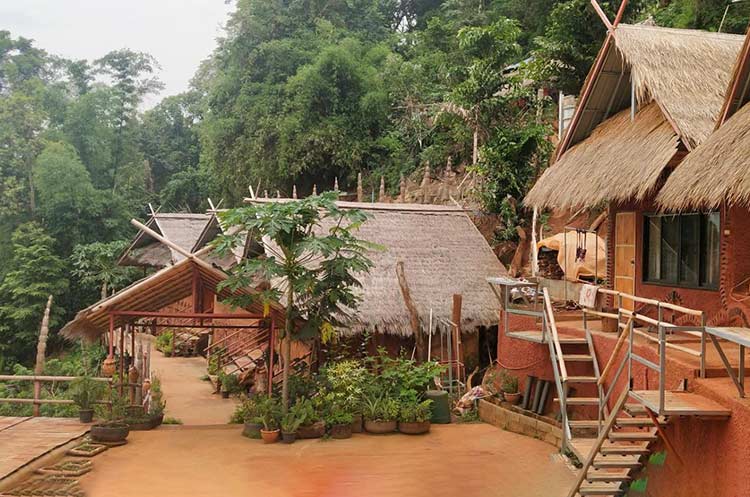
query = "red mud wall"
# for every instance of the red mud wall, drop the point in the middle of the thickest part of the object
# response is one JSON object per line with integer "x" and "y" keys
{"x": 714, "y": 453}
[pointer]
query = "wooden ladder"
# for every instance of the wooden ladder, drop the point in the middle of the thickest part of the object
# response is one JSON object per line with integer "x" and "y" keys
{"x": 617, "y": 454}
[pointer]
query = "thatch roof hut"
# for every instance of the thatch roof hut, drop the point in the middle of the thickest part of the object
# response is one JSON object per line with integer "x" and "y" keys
{"x": 183, "y": 229}
{"x": 717, "y": 171}
{"x": 651, "y": 96}
{"x": 443, "y": 254}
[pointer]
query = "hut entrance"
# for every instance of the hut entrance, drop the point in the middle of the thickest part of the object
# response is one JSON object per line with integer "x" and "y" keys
{"x": 625, "y": 253}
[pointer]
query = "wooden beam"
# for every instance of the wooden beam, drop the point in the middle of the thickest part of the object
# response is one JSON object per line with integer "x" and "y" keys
{"x": 456, "y": 318}
{"x": 602, "y": 16}
{"x": 413, "y": 314}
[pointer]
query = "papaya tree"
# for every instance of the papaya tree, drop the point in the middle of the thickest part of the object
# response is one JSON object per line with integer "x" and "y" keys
{"x": 312, "y": 259}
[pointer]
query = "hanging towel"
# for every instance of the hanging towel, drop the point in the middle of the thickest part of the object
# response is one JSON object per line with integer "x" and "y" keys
{"x": 588, "y": 296}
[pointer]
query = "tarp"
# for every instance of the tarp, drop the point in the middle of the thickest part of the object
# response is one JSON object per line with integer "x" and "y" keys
{"x": 575, "y": 269}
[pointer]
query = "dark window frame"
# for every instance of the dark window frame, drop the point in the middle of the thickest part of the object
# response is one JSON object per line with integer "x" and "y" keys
{"x": 703, "y": 254}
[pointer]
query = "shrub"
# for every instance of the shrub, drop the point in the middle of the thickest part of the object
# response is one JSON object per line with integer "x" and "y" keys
{"x": 157, "y": 404}
{"x": 84, "y": 391}
{"x": 269, "y": 412}
{"x": 415, "y": 412}
{"x": 510, "y": 384}
{"x": 164, "y": 342}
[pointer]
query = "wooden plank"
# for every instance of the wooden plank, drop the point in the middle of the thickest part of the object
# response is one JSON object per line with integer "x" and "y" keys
{"x": 530, "y": 336}
{"x": 681, "y": 403}
{"x": 740, "y": 336}
{"x": 32, "y": 438}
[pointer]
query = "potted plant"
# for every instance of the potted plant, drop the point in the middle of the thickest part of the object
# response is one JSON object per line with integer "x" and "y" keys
{"x": 157, "y": 403}
{"x": 312, "y": 426}
{"x": 84, "y": 391}
{"x": 414, "y": 416}
{"x": 381, "y": 414}
{"x": 510, "y": 389}
{"x": 268, "y": 416}
{"x": 339, "y": 421}
{"x": 229, "y": 384}
{"x": 114, "y": 430}
{"x": 247, "y": 414}
{"x": 291, "y": 422}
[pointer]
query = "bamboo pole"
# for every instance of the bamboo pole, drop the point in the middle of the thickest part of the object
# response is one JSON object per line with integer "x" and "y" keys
{"x": 41, "y": 352}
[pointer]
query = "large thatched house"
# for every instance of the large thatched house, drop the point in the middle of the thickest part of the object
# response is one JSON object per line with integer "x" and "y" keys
{"x": 652, "y": 97}
{"x": 715, "y": 177}
{"x": 443, "y": 254}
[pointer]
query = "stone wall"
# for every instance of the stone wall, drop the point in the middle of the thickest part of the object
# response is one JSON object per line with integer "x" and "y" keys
{"x": 530, "y": 424}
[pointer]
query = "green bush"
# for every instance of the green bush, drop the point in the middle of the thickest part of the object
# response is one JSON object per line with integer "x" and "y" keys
{"x": 164, "y": 342}
{"x": 412, "y": 411}
{"x": 382, "y": 408}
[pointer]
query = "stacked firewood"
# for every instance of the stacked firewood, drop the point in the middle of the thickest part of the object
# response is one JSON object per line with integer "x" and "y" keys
{"x": 548, "y": 266}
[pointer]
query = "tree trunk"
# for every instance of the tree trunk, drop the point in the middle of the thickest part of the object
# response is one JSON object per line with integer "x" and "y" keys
{"x": 286, "y": 351}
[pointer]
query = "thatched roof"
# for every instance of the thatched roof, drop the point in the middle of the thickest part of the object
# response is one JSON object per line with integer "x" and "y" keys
{"x": 153, "y": 293}
{"x": 184, "y": 229}
{"x": 717, "y": 171}
{"x": 679, "y": 78}
{"x": 686, "y": 71}
{"x": 605, "y": 168}
{"x": 443, "y": 254}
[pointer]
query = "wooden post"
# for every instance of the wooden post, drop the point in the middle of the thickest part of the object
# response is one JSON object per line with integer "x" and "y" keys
{"x": 271, "y": 340}
{"x": 122, "y": 359}
{"x": 456, "y": 318}
{"x": 360, "y": 190}
{"x": 413, "y": 314}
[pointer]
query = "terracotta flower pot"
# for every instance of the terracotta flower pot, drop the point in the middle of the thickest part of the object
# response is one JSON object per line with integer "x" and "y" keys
{"x": 341, "y": 431}
{"x": 270, "y": 436}
{"x": 252, "y": 430}
{"x": 110, "y": 432}
{"x": 357, "y": 424}
{"x": 414, "y": 428}
{"x": 512, "y": 398}
{"x": 108, "y": 367}
{"x": 288, "y": 437}
{"x": 379, "y": 427}
{"x": 86, "y": 415}
{"x": 315, "y": 430}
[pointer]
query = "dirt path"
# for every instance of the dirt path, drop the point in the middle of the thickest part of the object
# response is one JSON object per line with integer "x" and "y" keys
{"x": 190, "y": 399}
{"x": 468, "y": 460}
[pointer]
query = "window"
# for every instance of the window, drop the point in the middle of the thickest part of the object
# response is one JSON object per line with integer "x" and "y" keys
{"x": 682, "y": 250}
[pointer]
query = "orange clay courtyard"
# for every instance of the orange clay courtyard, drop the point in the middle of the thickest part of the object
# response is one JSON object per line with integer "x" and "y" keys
{"x": 198, "y": 460}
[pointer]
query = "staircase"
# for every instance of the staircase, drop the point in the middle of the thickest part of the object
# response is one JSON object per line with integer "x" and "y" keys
{"x": 619, "y": 451}
{"x": 565, "y": 351}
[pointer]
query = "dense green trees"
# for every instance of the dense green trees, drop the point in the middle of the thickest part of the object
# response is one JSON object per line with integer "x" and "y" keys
{"x": 298, "y": 91}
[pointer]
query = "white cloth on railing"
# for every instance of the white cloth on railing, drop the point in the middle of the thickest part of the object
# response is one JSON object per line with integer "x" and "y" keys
{"x": 588, "y": 296}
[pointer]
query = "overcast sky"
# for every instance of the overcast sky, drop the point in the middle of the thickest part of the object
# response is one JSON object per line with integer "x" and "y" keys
{"x": 179, "y": 33}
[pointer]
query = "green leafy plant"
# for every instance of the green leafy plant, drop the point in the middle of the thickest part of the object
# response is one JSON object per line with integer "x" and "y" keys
{"x": 413, "y": 411}
{"x": 214, "y": 362}
{"x": 268, "y": 412}
{"x": 309, "y": 410}
{"x": 230, "y": 383}
{"x": 164, "y": 342}
{"x": 294, "y": 418}
{"x": 338, "y": 415}
{"x": 347, "y": 382}
{"x": 510, "y": 384}
{"x": 319, "y": 268}
{"x": 157, "y": 404}
{"x": 172, "y": 421}
{"x": 245, "y": 412}
{"x": 85, "y": 390}
{"x": 381, "y": 408}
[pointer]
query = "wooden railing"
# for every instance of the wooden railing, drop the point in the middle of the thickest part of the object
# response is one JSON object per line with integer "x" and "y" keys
{"x": 36, "y": 400}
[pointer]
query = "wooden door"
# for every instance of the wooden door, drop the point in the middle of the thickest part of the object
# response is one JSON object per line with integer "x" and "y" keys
{"x": 625, "y": 255}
